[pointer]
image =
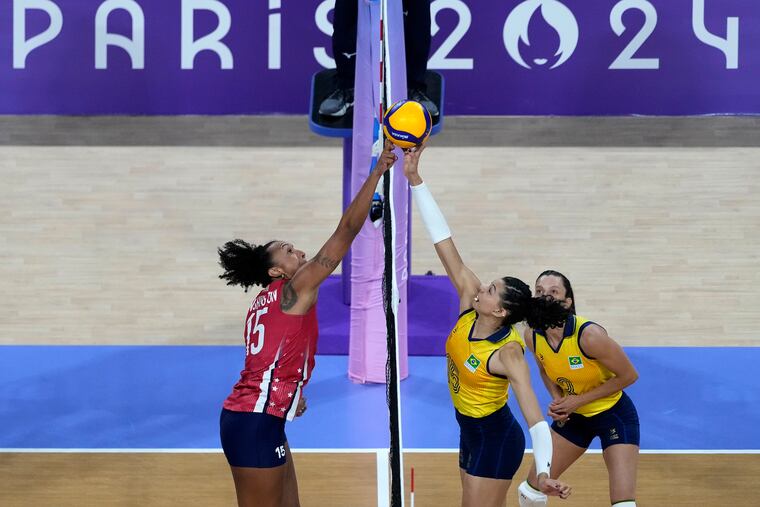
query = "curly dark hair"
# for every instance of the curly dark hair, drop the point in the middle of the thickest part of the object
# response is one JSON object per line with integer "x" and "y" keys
{"x": 538, "y": 312}
{"x": 245, "y": 264}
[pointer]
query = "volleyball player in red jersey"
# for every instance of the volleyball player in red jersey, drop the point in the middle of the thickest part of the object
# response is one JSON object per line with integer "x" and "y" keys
{"x": 280, "y": 341}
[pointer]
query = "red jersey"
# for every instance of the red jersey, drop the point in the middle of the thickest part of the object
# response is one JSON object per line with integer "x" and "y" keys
{"x": 279, "y": 356}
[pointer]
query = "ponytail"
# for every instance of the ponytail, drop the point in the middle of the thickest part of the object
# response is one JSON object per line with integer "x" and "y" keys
{"x": 539, "y": 312}
{"x": 545, "y": 312}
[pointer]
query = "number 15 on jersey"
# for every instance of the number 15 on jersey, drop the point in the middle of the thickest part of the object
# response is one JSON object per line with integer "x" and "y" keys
{"x": 254, "y": 327}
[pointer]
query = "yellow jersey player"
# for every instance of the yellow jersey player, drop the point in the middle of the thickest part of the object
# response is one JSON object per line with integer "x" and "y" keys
{"x": 585, "y": 371}
{"x": 485, "y": 355}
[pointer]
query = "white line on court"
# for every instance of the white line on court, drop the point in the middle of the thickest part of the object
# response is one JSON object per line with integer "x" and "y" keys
{"x": 599, "y": 451}
{"x": 334, "y": 451}
{"x": 383, "y": 479}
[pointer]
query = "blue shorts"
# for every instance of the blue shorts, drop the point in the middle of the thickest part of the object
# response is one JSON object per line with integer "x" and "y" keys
{"x": 618, "y": 424}
{"x": 490, "y": 446}
{"x": 252, "y": 439}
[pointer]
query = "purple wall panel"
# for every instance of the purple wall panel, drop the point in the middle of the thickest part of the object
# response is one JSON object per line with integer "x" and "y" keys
{"x": 687, "y": 68}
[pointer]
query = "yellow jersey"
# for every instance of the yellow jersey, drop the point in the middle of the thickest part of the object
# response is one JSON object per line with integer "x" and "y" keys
{"x": 475, "y": 391}
{"x": 571, "y": 369}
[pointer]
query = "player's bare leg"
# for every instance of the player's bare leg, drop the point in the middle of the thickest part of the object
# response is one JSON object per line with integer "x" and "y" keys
{"x": 290, "y": 484}
{"x": 483, "y": 492}
{"x": 622, "y": 461}
{"x": 259, "y": 487}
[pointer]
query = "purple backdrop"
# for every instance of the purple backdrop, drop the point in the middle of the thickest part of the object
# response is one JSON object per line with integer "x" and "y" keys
{"x": 681, "y": 65}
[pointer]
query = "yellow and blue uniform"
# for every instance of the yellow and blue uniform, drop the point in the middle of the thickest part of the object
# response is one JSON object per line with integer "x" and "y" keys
{"x": 491, "y": 442}
{"x": 475, "y": 391}
{"x": 613, "y": 418}
{"x": 571, "y": 369}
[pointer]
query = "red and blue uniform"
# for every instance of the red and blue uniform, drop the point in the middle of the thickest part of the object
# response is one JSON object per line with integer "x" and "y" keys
{"x": 279, "y": 359}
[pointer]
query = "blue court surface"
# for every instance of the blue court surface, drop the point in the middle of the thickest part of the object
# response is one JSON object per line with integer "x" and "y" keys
{"x": 162, "y": 397}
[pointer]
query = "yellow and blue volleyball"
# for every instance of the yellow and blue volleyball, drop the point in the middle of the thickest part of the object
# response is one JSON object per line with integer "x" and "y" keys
{"x": 407, "y": 123}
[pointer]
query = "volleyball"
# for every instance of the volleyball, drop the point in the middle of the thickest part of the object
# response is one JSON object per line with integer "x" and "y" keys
{"x": 407, "y": 123}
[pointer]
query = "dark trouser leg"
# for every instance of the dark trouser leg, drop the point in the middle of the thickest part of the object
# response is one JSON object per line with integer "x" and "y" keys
{"x": 345, "y": 16}
{"x": 417, "y": 39}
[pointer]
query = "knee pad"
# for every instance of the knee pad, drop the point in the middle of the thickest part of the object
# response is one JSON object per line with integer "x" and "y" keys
{"x": 627, "y": 503}
{"x": 530, "y": 497}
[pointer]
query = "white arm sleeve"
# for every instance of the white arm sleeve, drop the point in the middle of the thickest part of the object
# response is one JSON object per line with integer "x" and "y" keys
{"x": 432, "y": 217}
{"x": 542, "y": 447}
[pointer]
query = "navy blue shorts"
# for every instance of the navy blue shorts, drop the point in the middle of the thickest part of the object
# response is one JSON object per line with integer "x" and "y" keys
{"x": 618, "y": 424}
{"x": 490, "y": 446}
{"x": 251, "y": 439}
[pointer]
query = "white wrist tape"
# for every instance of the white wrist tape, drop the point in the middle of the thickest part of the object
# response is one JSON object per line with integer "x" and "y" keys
{"x": 542, "y": 447}
{"x": 432, "y": 217}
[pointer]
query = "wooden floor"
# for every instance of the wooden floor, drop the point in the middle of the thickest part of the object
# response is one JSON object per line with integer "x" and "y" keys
{"x": 117, "y": 245}
{"x": 348, "y": 480}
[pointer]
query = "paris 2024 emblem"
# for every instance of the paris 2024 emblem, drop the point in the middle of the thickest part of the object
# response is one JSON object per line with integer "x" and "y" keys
{"x": 557, "y": 15}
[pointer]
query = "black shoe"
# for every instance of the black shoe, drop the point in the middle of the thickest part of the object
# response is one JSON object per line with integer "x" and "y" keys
{"x": 337, "y": 103}
{"x": 421, "y": 97}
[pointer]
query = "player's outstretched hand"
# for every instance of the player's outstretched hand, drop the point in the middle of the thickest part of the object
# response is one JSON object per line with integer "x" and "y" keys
{"x": 387, "y": 158}
{"x": 411, "y": 162}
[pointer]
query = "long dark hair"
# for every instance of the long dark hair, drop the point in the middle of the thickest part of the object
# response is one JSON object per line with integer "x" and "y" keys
{"x": 245, "y": 264}
{"x": 537, "y": 312}
{"x": 565, "y": 282}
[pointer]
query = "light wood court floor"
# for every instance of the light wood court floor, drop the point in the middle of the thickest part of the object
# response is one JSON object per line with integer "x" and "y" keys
{"x": 348, "y": 480}
{"x": 117, "y": 244}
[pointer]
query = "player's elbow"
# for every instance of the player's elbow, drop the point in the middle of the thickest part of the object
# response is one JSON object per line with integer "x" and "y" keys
{"x": 630, "y": 377}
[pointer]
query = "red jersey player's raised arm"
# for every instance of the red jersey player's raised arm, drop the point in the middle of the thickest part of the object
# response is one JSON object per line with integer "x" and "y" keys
{"x": 301, "y": 292}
